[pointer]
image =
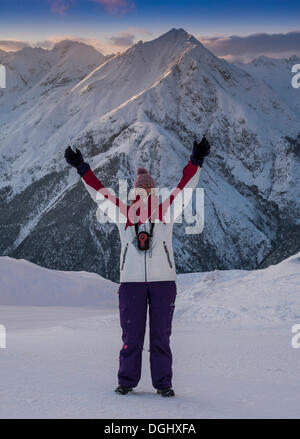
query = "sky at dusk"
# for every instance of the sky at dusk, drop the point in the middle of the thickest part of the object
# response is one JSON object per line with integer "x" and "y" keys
{"x": 228, "y": 28}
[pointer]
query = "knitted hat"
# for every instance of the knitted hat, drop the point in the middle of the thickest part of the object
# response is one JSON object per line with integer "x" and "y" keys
{"x": 143, "y": 178}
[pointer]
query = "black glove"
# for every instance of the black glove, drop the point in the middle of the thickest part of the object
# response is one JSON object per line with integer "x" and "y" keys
{"x": 75, "y": 159}
{"x": 200, "y": 150}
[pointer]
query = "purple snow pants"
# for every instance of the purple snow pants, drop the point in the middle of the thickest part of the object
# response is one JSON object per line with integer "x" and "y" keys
{"x": 134, "y": 298}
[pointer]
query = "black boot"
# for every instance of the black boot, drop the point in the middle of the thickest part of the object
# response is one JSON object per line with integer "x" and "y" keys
{"x": 166, "y": 392}
{"x": 123, "y": 390}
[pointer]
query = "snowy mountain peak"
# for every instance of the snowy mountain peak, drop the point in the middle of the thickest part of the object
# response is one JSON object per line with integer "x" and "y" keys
{"x": 161, "y": 51}
{"x": 30, "y": 51}
{"x": 294, "y": 59}
{"x": 66, "y": 44}
{"x": 75, "y": 48}
{"x": 181, "y": 34}
{"x": 35, "y": 71}
{"x": 276, "y": 73}
{"x": 265, "y": 61}
{"x": 177, "y": 35}
{"x": 175, "y": 32}
{"x": 262, "y": 61}
{"x": 139, "y": 68}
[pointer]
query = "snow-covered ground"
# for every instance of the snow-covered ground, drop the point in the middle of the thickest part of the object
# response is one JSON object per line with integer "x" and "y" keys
{"x": 231, "y": 343}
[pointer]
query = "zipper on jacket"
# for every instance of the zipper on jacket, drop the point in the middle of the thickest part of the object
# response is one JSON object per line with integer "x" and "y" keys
{"x": 124, "y": 256}
{"x": 145, "y": 267}
{"x": 167, "y": 253}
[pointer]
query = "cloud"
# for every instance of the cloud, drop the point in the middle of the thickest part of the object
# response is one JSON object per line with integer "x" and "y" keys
{"x": 123, "y": 39}
{"x": 139, "y": 30}
{"x": 44, "y": 44}
{"x": 104, "y": 48}
{"x": 112, "y": 7}
{"x": 116, "y": 6}
{"x": 126, "y": 38}
{"x": 60, "y": 6}
{"x": 235, "y": 47}
{"x": 12, "y": 45}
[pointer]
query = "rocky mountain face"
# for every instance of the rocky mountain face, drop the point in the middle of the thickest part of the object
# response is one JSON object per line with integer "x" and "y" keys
{"x": 277, "y": 74}
{"x": 145, "y": 107}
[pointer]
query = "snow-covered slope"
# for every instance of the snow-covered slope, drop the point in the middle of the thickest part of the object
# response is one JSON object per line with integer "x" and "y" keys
{"x": 32, "y": 73}
{"x": 231, "y": 346}
{"x": 271, "y": 295}
{"x": 24, "y": 283}
{"x": 268, "y": 296}
{"x": 144, "y": 107}
{"x": 277, "y": 73}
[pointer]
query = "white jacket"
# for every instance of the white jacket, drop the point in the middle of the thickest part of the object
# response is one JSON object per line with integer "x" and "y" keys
{"x": 156, "y": 264}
